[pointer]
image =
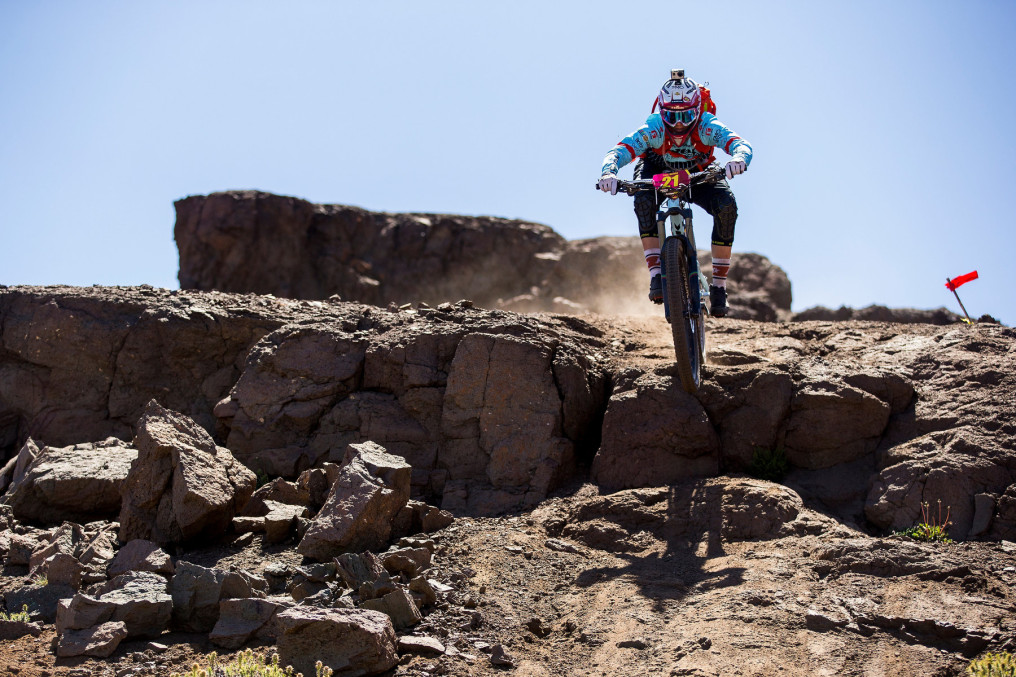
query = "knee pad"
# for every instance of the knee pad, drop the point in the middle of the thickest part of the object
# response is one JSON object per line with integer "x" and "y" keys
{"x": 723, "y": 224}
{"x": 645, "y": 212}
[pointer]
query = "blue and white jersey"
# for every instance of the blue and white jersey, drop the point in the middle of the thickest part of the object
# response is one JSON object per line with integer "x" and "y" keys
{"x": 694, "y": 153}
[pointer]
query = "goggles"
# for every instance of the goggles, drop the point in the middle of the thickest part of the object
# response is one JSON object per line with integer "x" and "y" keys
{"x": 679, "y": 117}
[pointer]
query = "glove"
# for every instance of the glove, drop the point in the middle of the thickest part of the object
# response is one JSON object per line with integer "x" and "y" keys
{"x": 735, "y": 167}
{"x": 608, "y": 184}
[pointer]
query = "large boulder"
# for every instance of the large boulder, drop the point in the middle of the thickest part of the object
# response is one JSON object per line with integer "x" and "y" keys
{"x": 182, "y": 485}
{"x": 349, "y": 641}
{"x": 80, "y": 483}
{"x": 654, "y": 433}
{"x": 371, "y": 488}
{"x": 99, "y": 641}
{"x": 141, "y": 600}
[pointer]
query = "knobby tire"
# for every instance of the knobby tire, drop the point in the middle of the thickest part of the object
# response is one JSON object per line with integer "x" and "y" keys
{"x": 686, "y": 339}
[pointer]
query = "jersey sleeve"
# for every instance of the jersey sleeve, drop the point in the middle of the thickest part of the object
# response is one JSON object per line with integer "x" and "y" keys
{"x": 646, "y": 137}
{"x": 712, "y": 132}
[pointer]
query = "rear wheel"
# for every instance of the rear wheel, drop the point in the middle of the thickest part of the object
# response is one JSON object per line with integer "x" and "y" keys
{"x": 688, "y": 332}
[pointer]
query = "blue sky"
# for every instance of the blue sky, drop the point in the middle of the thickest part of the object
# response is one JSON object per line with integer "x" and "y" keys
{"x": 883, "y": 154}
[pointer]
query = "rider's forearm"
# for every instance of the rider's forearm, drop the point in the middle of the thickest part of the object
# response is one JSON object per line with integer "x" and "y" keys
{"x": 739, "y": 149}
{"x": 617, "y": 157}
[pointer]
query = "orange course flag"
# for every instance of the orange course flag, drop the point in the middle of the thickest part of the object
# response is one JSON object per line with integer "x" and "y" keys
{"x": 962, "y": 279}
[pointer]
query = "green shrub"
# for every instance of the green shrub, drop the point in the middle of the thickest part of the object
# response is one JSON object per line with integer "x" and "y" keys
{"x": 993, "y": 665}
{"x": 248, "y": 664}
{"x": 930, "y": 529}
{"x": 769, "y": 464}
{"x": 17, "y": 615}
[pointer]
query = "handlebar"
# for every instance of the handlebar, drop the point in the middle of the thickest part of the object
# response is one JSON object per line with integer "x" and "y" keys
{"x": 710, "y": 174}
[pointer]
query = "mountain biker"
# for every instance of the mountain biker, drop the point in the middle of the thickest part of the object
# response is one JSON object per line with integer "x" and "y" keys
{"x": 682, "y": 135}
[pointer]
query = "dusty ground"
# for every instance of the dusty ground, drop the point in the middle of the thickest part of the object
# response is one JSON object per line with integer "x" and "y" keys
{"x": 563, "y": 599}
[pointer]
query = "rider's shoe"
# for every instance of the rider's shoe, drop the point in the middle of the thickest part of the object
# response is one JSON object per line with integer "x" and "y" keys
{"x": 656, "y": 289}
{"x": 717, "y": 301}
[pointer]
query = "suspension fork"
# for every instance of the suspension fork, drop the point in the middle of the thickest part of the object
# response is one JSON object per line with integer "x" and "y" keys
{"x": 681, "y": 220}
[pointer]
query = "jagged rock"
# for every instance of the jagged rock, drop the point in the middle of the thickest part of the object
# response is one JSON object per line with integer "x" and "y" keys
{"x": 371, "y": 488}
{"x": 41, "y": 601}
{"x": 141, "y": 601}
{"x": 421, "y": 646}
{"x": 423, "y": 591}
{"x": 65, "y": 539}
{"x": 20, "y": 548}
{"x": 408, "y": 561}
{"x": 822, "y": 621}
{"x": 886, "y": 558}
{"x": 876, "y": 313}
{"x": 248, "y": 525}
{"x": 106, "y": 352}
{"x": 350, "y": 641}
{"x": 642, "y": 449}
{"x": 197, "y": 591}
{"x": 79, "y": 483}
{"x": 82, "y": 612}
{"x": 141, "y": 555}
{"x": 1003, "y": 526}
{"x": 241, "y": 620}
{"x": 418, "y": 517}
{"x": 832, "y": 423}
{"x": 14, "y": 470}
{"x": 182, "y": 485}
{"x": 293, "y": 376}
{"x": 364, "y": 574}
{"x": 99, "y": 641}
{"x": 277, "y": 491}
{"x": 398, "y": 606}
{"x": 304, "y": 590}
{"x": 11, "y": 630}
{"x": 944, "y": 470}
{"x": 280, "y": 521}
{"x": 317, "y": 482}
{"x": 984, "y": 508}
{"x": 62, "y": 569}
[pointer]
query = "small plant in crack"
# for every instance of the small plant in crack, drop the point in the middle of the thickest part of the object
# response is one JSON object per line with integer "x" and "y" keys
{"x": 769, "y": 464}
{"x": 931, "y": 528}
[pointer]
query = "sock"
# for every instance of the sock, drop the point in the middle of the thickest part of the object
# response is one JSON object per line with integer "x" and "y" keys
{"x": 653, "y": 261}
{"x": 720, "y": 268}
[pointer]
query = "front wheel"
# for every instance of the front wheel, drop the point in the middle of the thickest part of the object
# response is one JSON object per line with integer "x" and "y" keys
{"x": 689, "y": 332}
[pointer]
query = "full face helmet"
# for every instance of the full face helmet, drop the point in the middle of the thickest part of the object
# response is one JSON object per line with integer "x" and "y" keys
{"x": 680, "y": 102}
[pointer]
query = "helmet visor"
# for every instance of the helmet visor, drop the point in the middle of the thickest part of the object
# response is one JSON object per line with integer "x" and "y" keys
{"x": 682, "y": 118}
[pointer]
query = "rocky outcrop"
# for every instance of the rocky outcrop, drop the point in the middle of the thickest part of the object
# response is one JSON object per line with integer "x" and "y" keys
{"x": 876, "y": 313}
{"x": 182, "y": 485}
{"x": 248, "y": 241}
{"x": 494, "y": 410}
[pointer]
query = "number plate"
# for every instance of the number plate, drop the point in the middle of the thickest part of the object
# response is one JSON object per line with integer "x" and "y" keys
{"x": 678, "y": 178}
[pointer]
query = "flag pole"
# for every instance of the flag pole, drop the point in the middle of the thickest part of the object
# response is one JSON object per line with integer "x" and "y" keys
{"x": 953, "y": 289}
